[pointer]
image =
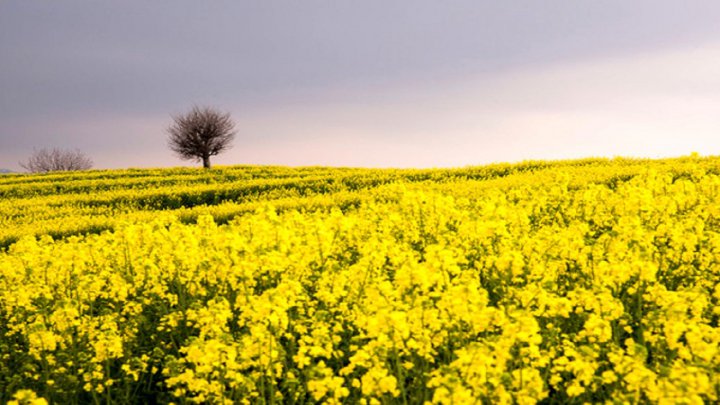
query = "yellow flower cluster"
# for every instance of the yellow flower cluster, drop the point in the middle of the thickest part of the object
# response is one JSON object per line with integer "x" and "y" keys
{"x": 568, "y": 282}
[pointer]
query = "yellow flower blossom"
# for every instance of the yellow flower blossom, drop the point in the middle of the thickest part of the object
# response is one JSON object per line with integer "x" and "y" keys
{"x": 590, "y": 281}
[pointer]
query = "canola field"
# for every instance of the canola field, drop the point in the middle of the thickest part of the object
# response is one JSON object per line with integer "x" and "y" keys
{"x": 589, "y": 281}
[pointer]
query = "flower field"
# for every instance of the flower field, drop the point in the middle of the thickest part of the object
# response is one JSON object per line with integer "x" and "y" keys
{"x": 556, "y": 282}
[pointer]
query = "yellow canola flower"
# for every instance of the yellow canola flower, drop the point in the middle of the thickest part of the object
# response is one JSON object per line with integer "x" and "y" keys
{"x": 26, "y": 397}
{"x": 588, "y": 281}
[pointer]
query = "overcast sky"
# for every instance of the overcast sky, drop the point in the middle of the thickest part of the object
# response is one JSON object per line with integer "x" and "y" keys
{"x": 418, "y": 83}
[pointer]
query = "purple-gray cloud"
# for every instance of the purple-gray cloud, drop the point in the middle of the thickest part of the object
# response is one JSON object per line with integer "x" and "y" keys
{"x": 309, "y": 80}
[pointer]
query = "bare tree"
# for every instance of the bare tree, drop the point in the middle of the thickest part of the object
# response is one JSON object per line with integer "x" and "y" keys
{"x": 50, "y": 160}
{"x": 201, "y": 133}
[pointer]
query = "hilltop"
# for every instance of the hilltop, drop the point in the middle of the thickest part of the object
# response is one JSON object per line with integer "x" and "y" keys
{"x": 100, "y": 199}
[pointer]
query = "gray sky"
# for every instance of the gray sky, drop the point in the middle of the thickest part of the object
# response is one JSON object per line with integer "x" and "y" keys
{"x": 363, "y": 83}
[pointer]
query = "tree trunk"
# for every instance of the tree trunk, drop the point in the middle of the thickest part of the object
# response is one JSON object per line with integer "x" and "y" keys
{"x": 206, "y": 162}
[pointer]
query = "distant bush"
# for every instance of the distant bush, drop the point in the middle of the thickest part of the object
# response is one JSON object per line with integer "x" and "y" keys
{"x": 51, "y": 160}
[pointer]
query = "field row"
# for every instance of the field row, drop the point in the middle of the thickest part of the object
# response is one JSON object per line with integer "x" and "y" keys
{"x": 64, "y": 204}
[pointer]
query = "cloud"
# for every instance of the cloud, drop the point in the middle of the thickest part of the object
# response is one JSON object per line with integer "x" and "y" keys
{"x": 661, "y": 103}
{"x": 363, "y": 84}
